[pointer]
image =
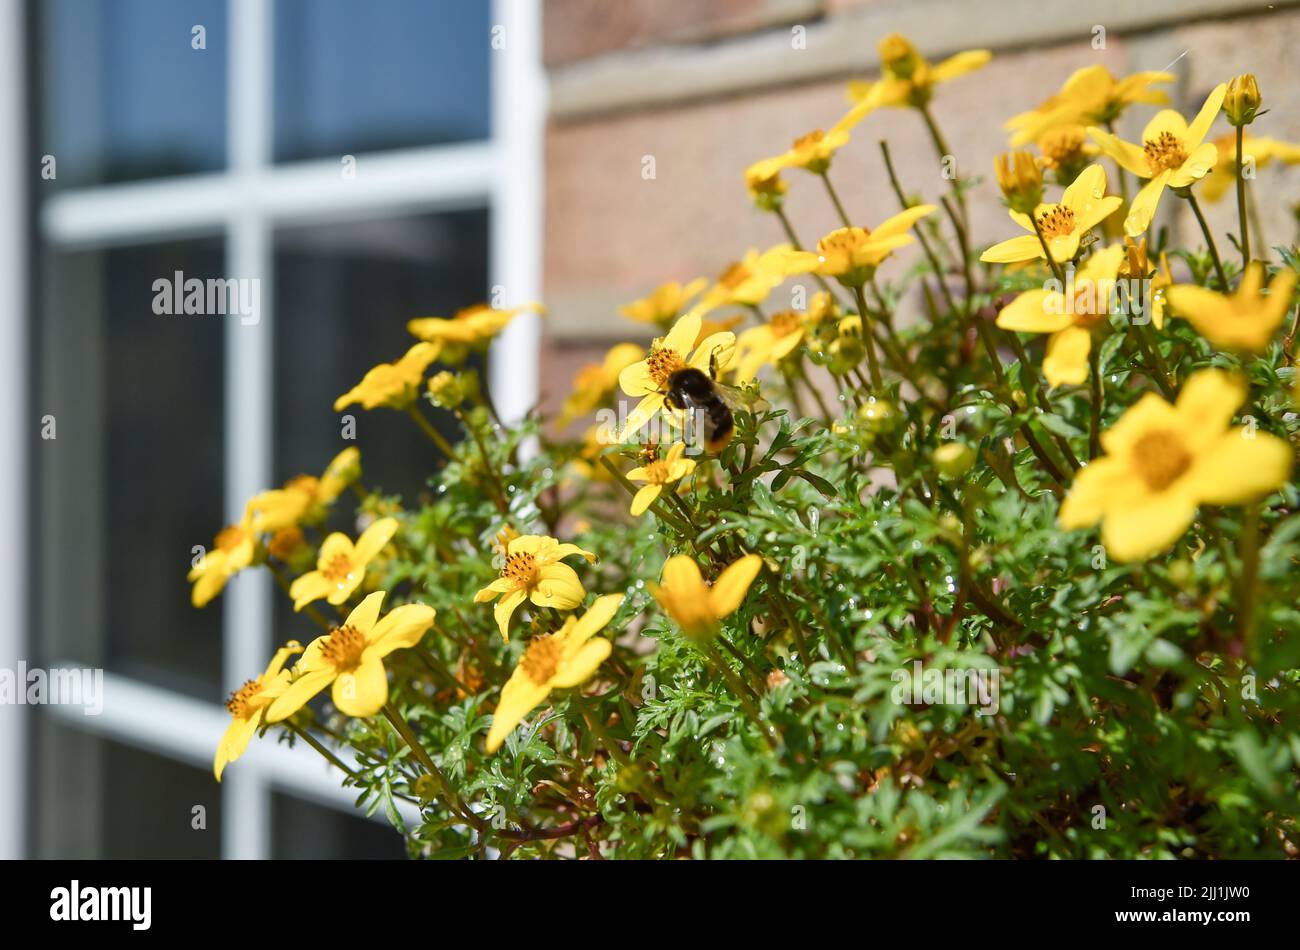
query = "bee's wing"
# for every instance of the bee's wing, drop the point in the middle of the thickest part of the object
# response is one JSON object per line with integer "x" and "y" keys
{"x": 736, "y": 398}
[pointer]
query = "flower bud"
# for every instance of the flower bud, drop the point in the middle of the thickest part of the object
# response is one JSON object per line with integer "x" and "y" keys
{"x": 899, "y": 56}
{"x": 1021, "y": 180}
{"x": 1242, "y": 101}
{"x": 953, "y": 459}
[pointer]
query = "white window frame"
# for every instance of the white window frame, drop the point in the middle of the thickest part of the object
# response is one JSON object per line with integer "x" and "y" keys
{"x": 247, "y": 202}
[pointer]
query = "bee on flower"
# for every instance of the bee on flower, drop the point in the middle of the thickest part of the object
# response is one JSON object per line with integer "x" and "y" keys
{"x": 647, "y": 379}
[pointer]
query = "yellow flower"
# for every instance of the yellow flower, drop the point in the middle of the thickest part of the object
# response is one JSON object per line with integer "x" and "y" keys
{"x": 557, "y": 660}
{"x": 851, "y": 255}
{"x": 657, "y": 474}
{"x": 1020, "y": 179}
{"x": 812, "y": 152}
{"x": 1172, "y": 154}
{"x": 748, "y": 282}
{"x": 648, "y": 378}
{"x": 770, "y": 343}
{"x": 663, "y": 304}
{"x": 1259, "y": 151}
{"x": 534, "y": 570}
{"x": 473, "y": 326}
{"x": 394, "y": 385}
{"x": 304, "y": 499}
{"x": 1069, "y": 315}
{"x": 501, "y": 540}
{"x": 351, "y": 657}
{"x": 696, "y": 606}
{"x": 1083, "y": 206}
{"x": 1091, "y": 96}
{"x": 595, "y": 382}
{"x": 1247, "y": 319}
{"x": 763, "y": 179}
{"x": 1242, "y": 100}
{"x": 341, "y": 566}
{"x": 1161, "y": 462}
{"x": 232, "y": 551}
{"x": 907, "y": 79}
{"x": 1065, "y": 150}
{"x": 248, "y": 705}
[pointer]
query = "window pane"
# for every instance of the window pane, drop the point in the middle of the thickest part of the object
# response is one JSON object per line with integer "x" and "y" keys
{"x": 352, "y": 78}
{"x": 303, "y": 830}
{"x": 123, "y": 803}
{"x": 125, "y": 95}
{"x": 132, "y": 480}
{"x": 343, "y": 295}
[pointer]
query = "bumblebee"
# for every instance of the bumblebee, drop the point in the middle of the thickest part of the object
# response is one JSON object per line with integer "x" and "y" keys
{"x": 708, "y": 403}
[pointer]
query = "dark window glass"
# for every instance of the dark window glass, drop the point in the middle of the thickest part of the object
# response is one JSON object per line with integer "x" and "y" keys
{"x": 123, "y": 803}
{"x": 304, "y": 830}
{"x": 125, "y": 93}
{"x": 133, "y": 479}
{"x": 353, "y": 77}
{"x": 343, "y": 295}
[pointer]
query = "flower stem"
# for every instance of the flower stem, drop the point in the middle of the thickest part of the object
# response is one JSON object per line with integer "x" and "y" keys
{"x": 1242, "y": 223}
{"x": 1094, "y": 380}
{"x": 739, "y": 690}
{"x": 941, "y": 146}
{"x": 450, "y": 798}
{"x": 1249, "y": 548}
{"x": 1047, "y": 252}
{"x": 502, "y": 504}
{"x": 316, "y": 744}
{"x": 1209, "y": 238}
{"x": 869, "y": 341}
{"x": 835, "y": 200}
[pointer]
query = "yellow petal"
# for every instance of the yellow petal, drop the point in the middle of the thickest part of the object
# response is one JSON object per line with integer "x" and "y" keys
{"x": 960, "y": 64}
{"x": 1241, "y": 465}
{"x": 683, "y": 335}
{"x": 1101, "y": 484}
{"x": 235, "y": 740}
{"x": 1023, "y": 248}
{"x": 505, "y": 608}
{"x": 1066, "y": 360}
{"x": 374, "y": 538}
{"x": 597, "y": 616}
{"x": 518, "y": 697}
{"x": 558, "y": 587}
{"x": 1200, "y": 126}
{"x": 728, "y": 591}
{"x": 1169, "y": 121}
{"x": 309, "y": 587}
{"x": 644, "y": 498}
{"x": 298, "y": 694}
{"x": 1134, "y": 534}
{"x": 401, "y": 629}
{"x": 1128, "y": 155}
{"x": 579, "y": 667}
{"x": 364, "y": 614}
{"x": 1144, "y": 205}
{"x": 362, "y": 692}
{"x": 1035, "y": 311}
{"x": 681, "y": 576}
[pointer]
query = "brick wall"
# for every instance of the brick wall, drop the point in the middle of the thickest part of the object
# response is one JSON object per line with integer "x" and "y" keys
{"x": 705, "y": 88}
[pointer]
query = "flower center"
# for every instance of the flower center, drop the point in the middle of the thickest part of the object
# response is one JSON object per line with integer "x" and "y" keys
{"x": 306, "y": 484}
{"x": 285, "y": 542}
{"x": 521, "y": 568}
{"x": 1061, "y": 146}
{"x": 1056, "y": 223}
{"x": 542, "y": 658}
{"x": 241, "y": 700}
{"x": 230, "y": 537}
{"x": 338, "y": 570}
{"x": 657, "y": 472}
{"x": 785, "y": 323}
{"x": 662, "y": 363}
{"x": 809, "y": 141}
{"x": 343, "y": 647}
{"x": 842, "y": 241}
{"x": 1164, "y": 153}
{"x": 1160, "y": 458}
{"x": 734, "y": 276}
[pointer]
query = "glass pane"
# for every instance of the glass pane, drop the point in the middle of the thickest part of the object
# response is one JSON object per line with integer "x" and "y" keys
{"x": 306, "y": 831}
{"x": 125, "y": 93}
{"x": 353, "y": 78}
{"x": 124, "y": 803}
{"x": 132, "y": 479}
{"x": 343, "y": 295}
